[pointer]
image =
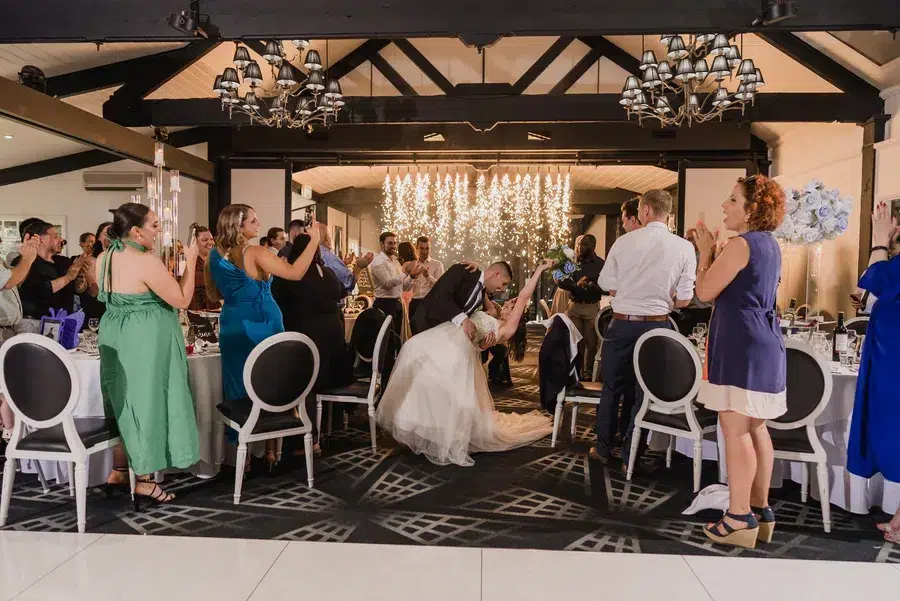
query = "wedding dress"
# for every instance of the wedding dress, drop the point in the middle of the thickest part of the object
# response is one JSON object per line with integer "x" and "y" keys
{"x": 438, "y": 403}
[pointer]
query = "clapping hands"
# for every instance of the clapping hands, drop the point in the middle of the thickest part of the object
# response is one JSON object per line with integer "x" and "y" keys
{"x": 705, "y": 240}
{"x": 884, "y": 227}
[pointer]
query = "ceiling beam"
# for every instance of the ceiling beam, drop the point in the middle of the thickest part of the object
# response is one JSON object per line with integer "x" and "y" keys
{"x": 115, "y": 20}
{"x": 31, "y": 107}
{"x": 486, "y": 111}
{"x": 546, "y": 59}
{"x": 390, "y": 74}
{"x": 424, "y": 65}
{"x": 356, "y": 57}
{"x": 824, "y": 66}
{"x": 611, "y": 51}
{"x": 576, "y": 72}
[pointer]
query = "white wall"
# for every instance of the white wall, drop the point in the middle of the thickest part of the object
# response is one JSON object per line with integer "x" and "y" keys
{"x": 705, "y": 190}
{"x": 262, "y": 189}
{"x": 598, "y": 229}
{"x": 64, "y": 195}
{"x": 887, "y": 153}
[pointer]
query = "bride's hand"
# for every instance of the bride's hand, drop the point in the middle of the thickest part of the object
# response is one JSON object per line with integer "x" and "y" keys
{"x": 546, "y": 264}
{"x": 471, "y": 266}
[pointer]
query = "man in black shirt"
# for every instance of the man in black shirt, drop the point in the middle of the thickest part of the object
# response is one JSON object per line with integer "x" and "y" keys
{"x": 48, "y": 284}
{"x": 586, "y": 295}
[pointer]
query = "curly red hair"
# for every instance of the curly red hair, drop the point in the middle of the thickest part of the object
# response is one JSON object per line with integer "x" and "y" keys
{"x": 765, "y": 202}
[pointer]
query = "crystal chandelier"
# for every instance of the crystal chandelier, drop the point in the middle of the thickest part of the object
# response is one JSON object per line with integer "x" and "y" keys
{"x": 291, "y": 103}
{"x": 688, "y": 89}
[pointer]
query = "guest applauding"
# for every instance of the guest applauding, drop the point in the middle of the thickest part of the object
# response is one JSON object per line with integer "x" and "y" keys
{"x": 240, "y": 274}
{"x": 143, "y": 367}
{"x": 93, "y": 308}
{"x": 874, "y": 447}
{"x": 47, "y": 285}
{"x": 204, "y": 240}
{"x": 745, "y": 359}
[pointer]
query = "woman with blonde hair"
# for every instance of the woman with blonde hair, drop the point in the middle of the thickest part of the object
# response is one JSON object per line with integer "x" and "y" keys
{"x": 240, "y": 274}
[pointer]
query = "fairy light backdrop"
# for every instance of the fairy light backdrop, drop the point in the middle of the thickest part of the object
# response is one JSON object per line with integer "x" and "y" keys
{"x": 503, "y": 216}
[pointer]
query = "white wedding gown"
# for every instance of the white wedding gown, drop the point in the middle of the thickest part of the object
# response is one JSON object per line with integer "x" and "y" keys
{"x": 438, "y": 403}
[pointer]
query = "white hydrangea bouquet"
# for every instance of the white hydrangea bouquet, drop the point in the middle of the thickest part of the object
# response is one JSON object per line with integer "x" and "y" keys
{"x": 814, "y": 214}
{"x": 564, "y": 257}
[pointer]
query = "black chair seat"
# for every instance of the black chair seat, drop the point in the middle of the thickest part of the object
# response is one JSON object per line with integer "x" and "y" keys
{"x": 91, "y": 430}
{"x": 791, "y": 441}
{"x": 705, "y": 418}
{"x": 592, "y": 390}
{"x": 239, "y": 411}
{"x": 356, "y": 389}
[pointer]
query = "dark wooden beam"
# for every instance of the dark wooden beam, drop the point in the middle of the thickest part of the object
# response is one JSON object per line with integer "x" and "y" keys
{"x": 613, "y": 53}
{"x": 825, "y": 67}
{"x": 682, "y": 198}
{"x": 873, "y": 133}
{"x": 424, "y": 65}
{"x": 115, "y": 20}
{"x": 356, "y": 57}
{"x": 546, "y": 59}
{"x": 576, "y": 72}
{"x": 397, "y": 80}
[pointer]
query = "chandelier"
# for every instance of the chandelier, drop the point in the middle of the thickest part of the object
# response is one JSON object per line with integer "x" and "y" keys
{"x": 291, "y": 103}
{"x": 503, "y": 217}
{"x": 688, "y": 89}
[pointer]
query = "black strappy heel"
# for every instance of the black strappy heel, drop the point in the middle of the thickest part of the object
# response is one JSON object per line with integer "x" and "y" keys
{"x": 766, "y": 518}
{"x": 745, "y": 537}
{"x": 110, "y": 488}
{"x": 157, "y": 495}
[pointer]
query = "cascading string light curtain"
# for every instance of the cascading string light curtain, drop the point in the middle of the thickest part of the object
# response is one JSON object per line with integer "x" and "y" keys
{"x": 506, "y": 215}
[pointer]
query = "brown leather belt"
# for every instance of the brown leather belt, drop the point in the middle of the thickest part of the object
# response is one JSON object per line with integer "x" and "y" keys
{"x": 623, "y": 317}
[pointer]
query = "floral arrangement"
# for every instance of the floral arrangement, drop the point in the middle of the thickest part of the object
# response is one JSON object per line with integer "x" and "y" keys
{"x": 814, "y": 214}
{"x": 564, "y": 258}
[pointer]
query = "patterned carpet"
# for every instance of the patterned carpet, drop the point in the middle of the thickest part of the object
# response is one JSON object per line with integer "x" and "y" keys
{"x": 534, "y": 497}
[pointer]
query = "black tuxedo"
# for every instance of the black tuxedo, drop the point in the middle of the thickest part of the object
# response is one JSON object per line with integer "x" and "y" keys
{"x": 447, "y": 299}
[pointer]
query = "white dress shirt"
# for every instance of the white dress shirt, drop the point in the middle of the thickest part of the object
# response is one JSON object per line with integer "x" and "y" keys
{"x": 422, "y": 285}
{"x": 10, "y": 302}
{"x": 388, "y": 277}
{"x": 471, "y": 303}
{"x": 646, "y": 268}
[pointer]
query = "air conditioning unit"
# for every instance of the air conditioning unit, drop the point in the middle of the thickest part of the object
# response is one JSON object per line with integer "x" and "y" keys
{"x": 129, "y": 181}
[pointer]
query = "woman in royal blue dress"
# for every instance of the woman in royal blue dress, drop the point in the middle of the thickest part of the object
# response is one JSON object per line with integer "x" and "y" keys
{"x": 240, "y": 274}
{"x": 745, "y": 361}
{"x": 874, "y": 445}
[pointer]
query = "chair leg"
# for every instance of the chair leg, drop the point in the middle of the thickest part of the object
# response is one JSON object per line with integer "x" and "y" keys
{"x": 330, "y": 417}
{"x": 278, "y": 444}
{"x": 308, "y": 446}
{"x": 346, "y": 420}
{"x": 372, "y": 427}
{"x": 319, "y": 419}
{"x": 632, "y": 455}
{"x": 81, "y": 494}
{"x": 596, "y": 372}
{"x": 71, "y": 466}
{"x": 698, "y": 463}
{"x": 239, "y": 471}
{"x": 804, "y": 482}
{"x": 9, "y": 478}
{"x": 557, "y": 417}
{"x": 824, "y": 495}
{"x": 132, "y": 482}
{"x": 574, "y": 420}
{"x": 669, "y": 452}
{"x": 40, "y": 473}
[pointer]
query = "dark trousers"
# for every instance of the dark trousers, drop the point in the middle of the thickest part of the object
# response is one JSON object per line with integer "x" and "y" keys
{"x": 394, "y": 308}
{"x": 498, "y": 368}
{"x": 413, "y": 305}
{"x": 617, "y": 368}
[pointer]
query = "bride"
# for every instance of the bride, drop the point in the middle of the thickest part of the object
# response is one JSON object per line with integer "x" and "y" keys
{"x": 437, "y": 401}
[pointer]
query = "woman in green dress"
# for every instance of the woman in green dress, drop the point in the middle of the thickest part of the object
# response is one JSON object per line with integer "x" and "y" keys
{"x": 143, "y": 365}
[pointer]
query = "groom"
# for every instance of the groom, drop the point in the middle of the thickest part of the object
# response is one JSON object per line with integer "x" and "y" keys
{"x": 457, "y": 295}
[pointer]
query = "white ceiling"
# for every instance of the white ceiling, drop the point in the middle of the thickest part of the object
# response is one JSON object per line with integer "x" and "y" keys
{"x": 30, "y": 144}
{"x": 637, "y": 178}
{"x": 56, "y": 59}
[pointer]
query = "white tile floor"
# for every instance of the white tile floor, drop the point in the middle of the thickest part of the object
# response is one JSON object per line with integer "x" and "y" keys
{"x": 91, "y": 567}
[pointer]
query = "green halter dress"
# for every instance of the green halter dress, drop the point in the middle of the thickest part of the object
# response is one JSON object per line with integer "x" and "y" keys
{"x": 144, "y": 376}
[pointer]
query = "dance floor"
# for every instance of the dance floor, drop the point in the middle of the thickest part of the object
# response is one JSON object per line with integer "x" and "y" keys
{"x": 534, "y": 497}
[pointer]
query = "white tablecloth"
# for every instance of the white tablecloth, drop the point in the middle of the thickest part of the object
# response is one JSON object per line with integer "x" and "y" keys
{"x": 847, "y": 491}
{"x": 206, "y": 386}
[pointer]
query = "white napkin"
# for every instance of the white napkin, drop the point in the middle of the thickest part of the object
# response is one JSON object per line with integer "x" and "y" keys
{"x": 714, "y": 496}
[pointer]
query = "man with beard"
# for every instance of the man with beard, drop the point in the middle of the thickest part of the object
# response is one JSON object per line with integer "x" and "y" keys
{"x": 585, "y": 303}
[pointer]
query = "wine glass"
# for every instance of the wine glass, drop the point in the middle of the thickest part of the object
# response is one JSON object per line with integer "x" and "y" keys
{"x": 93, "y": 325}
{"x": 821, "y": 345}
{"x": 190, "y": 337}
{"x": 703, "y": 328}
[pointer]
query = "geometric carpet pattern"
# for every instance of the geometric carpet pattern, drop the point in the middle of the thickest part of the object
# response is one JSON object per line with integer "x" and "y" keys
{"x": 532, "y": 497}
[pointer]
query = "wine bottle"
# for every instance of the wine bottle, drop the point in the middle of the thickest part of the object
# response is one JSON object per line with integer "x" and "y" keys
{"x": 840, "y": 340}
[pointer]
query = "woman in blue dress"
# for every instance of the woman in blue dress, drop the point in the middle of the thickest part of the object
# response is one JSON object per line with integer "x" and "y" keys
{"x": 874, "y": 446}
{"x": 746, "y": 362}
{"x": 240, "y": 274}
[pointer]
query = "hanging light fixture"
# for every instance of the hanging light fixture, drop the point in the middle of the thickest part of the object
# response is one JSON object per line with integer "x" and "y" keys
{"x": 297, "y": 99}
{"x": 677, "y": 90}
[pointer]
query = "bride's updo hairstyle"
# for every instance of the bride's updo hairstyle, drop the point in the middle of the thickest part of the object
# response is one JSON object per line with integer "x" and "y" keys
{"x": 764, "y": 204}
{"x": 127, "y": 216}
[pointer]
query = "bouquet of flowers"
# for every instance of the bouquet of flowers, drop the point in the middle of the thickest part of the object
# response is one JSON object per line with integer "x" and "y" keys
{"x": 564, "y": 258}
{"x": 814, "y": 214}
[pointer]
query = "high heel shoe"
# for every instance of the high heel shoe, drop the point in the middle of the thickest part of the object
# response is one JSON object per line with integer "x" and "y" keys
{"x": 766, "y": 518}
{"x": 157, "y": 495}
{"x": 744, "y": 537}
{"x": 111, "y": 487}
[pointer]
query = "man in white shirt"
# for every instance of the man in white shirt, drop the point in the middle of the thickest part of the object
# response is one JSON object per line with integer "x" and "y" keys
{"x": 431, "y": 271}
{"x": 390, "y": 282}
{"x": 649, "y": 271}
{"x": 630, "y": 221}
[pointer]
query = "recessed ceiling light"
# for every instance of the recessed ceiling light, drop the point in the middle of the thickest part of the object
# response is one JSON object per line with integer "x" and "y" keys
{"x": 8, "y": 137}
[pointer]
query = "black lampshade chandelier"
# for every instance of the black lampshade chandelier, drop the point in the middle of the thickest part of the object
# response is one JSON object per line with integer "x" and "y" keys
{"x": 688, "y": 89}
{"x": 298, "y": 99}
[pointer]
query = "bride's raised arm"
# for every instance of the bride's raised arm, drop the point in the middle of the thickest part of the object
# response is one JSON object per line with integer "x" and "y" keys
{"x": 509, "y": 327}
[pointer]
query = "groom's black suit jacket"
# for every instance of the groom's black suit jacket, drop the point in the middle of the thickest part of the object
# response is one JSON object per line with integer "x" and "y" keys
{"x": 446, "y": 300}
